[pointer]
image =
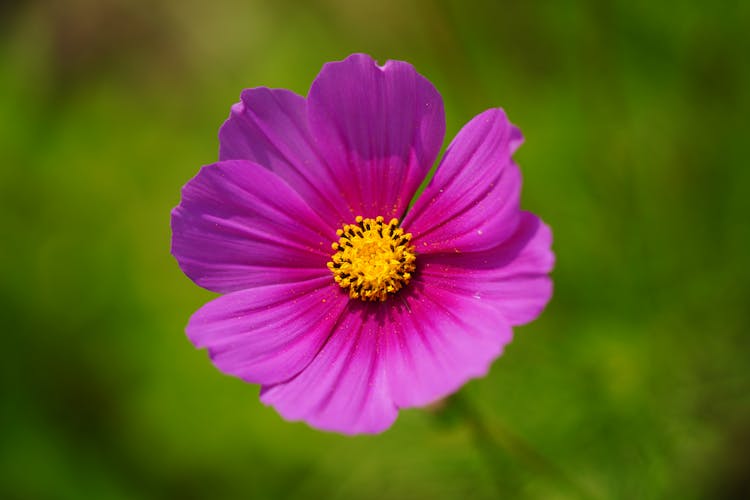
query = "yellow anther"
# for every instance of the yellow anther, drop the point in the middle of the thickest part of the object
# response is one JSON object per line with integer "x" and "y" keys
{"x": 372, "y": 259}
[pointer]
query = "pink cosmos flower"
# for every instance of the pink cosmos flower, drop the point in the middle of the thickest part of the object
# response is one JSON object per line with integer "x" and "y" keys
{"x": 340, "y": 299}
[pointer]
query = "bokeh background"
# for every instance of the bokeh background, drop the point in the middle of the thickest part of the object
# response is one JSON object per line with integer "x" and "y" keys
{"x": 633, "y": 384}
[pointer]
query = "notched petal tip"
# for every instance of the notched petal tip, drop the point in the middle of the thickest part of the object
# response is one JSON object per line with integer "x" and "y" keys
{"x": 515, "y": 137}
{"x": 379, "y": 128}
{"x": 326, "y": 423}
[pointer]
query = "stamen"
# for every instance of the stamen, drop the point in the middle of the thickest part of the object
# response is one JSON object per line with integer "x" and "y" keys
{"x": 371, "y": 262}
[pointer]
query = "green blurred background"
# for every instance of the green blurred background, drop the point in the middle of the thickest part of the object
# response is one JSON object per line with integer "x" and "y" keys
{"x": 634, "y": 382}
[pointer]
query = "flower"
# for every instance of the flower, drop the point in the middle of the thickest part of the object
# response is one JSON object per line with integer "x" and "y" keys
{"x": 340, "y": 299}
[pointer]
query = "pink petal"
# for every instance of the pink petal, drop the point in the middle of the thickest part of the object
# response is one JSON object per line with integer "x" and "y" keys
{"x": 409, "y": 351}
{"x": 269, "y": 127}
{"x": 436, "y": 340}
{"x": 379, "y": 129}
{"x": 513, "y": 276}
{"x": 472, "y": 203}
{"x": 268, "y": 334}
{"x": 344, "y": 388}
{"x": 239, "y": 225}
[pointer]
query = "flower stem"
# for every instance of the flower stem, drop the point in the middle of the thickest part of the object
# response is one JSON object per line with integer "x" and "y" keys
{"x": 509, "y": 457}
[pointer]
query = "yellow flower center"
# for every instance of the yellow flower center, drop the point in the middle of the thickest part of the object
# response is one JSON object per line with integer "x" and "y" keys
{"x": 373, "y": 259}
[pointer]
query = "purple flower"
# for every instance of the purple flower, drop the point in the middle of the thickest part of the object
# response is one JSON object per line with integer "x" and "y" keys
{"x": 342, "y": 301}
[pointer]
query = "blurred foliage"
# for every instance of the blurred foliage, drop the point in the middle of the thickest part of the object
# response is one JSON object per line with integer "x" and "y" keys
{"x": 633, "y": 384}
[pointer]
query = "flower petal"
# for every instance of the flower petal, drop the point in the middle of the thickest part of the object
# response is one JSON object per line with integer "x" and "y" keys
{"x": 437, "y": 340}
{"x": 408, "y": 351}
{"x": 344, "y": 388}
{"x": 268, "y": 334}
{"x": 269, "y": 127}
{"x": 240, "y": 225}
{"x": 472, "y": 203}
{"x": 379, "y": 129}
{"x": 512, "y": 276}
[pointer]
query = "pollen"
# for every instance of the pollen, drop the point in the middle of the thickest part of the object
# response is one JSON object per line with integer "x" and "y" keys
{"x": 372, "y": 259}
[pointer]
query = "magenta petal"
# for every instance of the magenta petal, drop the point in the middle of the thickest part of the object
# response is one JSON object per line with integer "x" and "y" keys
{"x": 472, "y": 203}
{"x": 239, "y": 225}
{"x": 513, "y": 276}
{"x": 344, "y": 388}
{"x": 269, "y": 127}
{"x": 379, "y": 129}
{"x": 268, "y": 334}
{"x": 437, "y": 340}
